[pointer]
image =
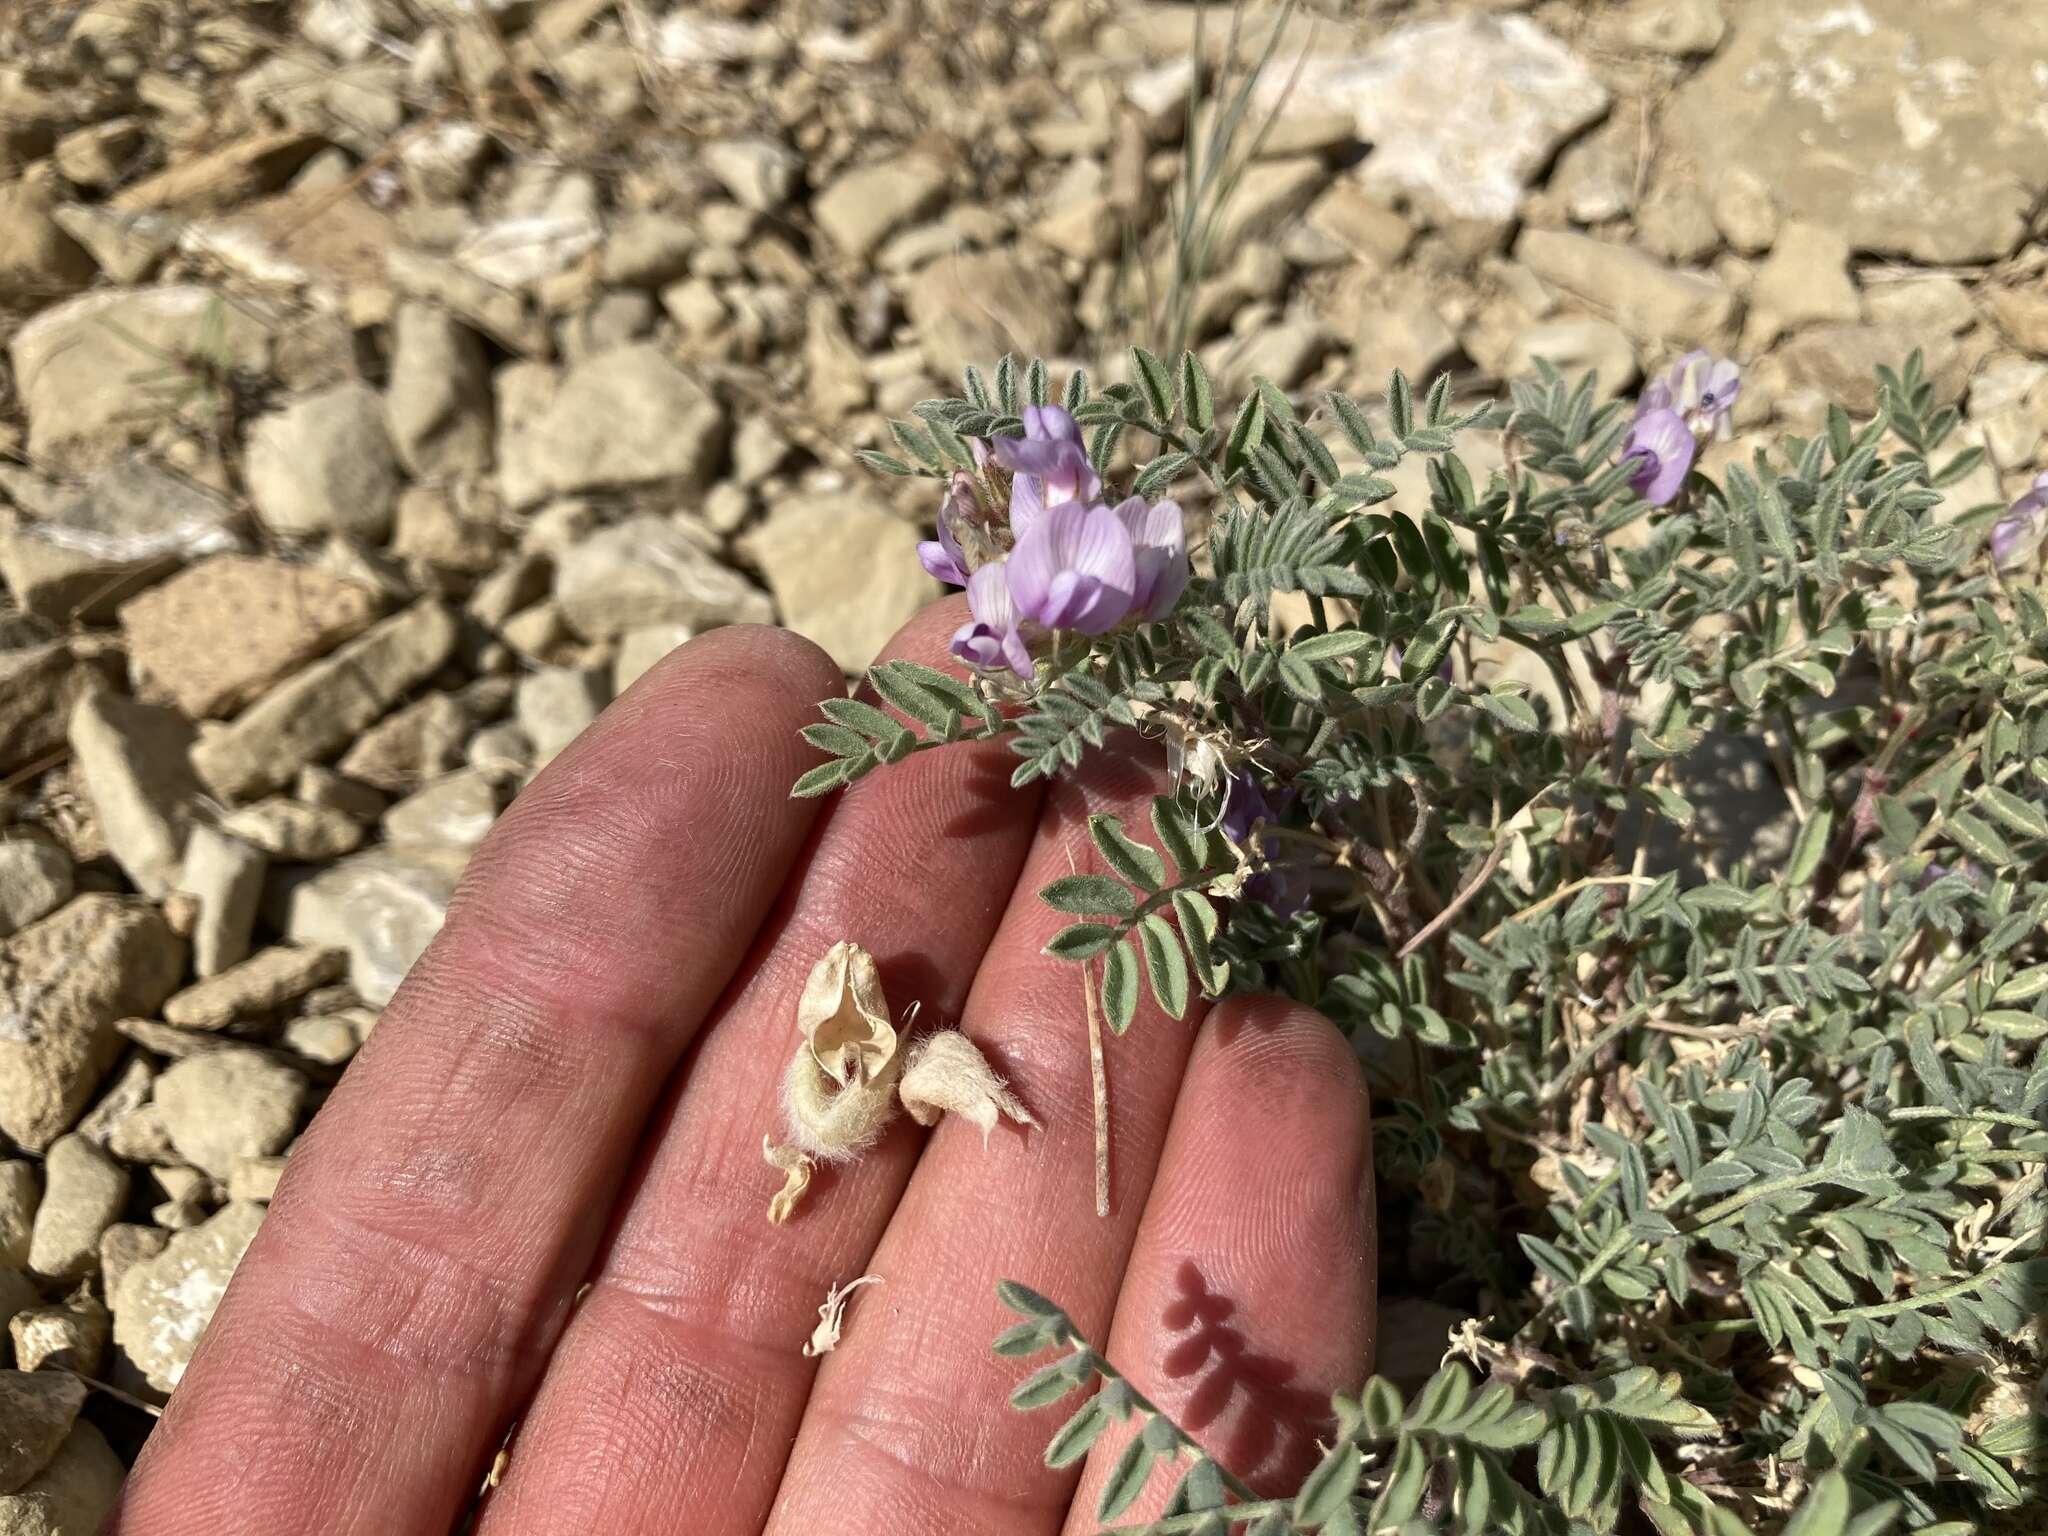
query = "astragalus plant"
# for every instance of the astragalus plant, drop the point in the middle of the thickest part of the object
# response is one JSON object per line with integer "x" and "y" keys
{"x": 1727, "y": 1130}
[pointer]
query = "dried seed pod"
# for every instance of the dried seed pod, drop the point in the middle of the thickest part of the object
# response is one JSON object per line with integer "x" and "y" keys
{"x": 832, "y": 1123}
{"x": 832, "y": 1317}
{"x": 844, "y": 1016}
{"x": 946, "y": 1074}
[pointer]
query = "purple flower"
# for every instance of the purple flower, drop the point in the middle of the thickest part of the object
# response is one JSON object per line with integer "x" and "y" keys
{"x": 1050, "y": 464}
{"x": 1701, "y": 388}
{"x": 991, "y": 638}
{"x": 2017, "y": 535}
{"x": 1159, "y": 542}
{"x": 1075, "y": 568}
{"x": 1661, "y": 448}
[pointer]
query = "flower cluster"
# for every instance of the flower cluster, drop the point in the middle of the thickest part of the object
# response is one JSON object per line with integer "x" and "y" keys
{"x": 1675, "y": 414}
{"x": 1059, "y": 557}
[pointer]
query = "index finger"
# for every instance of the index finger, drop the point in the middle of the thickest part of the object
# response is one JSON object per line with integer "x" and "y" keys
{"x": 420, "y": 1258}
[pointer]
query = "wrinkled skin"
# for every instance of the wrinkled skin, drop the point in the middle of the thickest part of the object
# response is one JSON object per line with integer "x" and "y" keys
{"x": 573, "y": 1084}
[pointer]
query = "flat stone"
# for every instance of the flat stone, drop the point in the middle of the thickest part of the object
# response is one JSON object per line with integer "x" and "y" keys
{"x": 412, "y": 745}
{"x": 221, "y": 1106}
{"x": 63, "y": 983}
{"x": 85, "y": 1190}
{"x": 132, "y": 524}
{"x": 40, "y": 684}
{"x": 648, "y": 250}
{"x": 2022, "y": 313}
{"x": 90, "y": 369}
{"x": 438, "y": 403}
{"x": 224, "y": 875}
{"x": 759, "y": 173}
{"x": 38, "y": 260}
{"x": 127, "y": 1091}
{"x": 971, "y": 309}
{"x": 35, "y": 880}
{"x": 325, "y": 464}
{"x": 867, "y": 204}
{"x": 164, "y": 1303}
{"x": 1652, "y": 302}
{"x": 1677, "y": 29}
{"x": 132, "y": 758}
{"x": 327, "y": 1038}
{"x": 61, "y": 1338}
{"x": 328, "y": 789}
{"x": 20, "y": 1190}
{"x": 220, "y": 632}
{"x": 256, "y": 1178}
{"x": 295, "y": 831}
{"x": 626, "y": 417}
{"x": 844, "y": 572}
{"x": 1909, "y": 129}
{"x": 555, "y": 704}
{"x": 383, "y": 907}
{"x": 1520, "y": 94}
{"x": 311, "y": 715}
{"x": 652, "y": 570}
{"x": 1804, "y": 281}
{"x": 640, "y": 649}
{"x": 455, "y": 812}
{"x": 37, "y": 1411}
{"x": 261, "y": 984}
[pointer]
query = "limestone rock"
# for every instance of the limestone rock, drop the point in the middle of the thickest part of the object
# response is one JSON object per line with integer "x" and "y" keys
{"x": 866, "y": 205}
{"x": 1652, "y": 302}
{"x": 1907, "y": 128}
{"x": 132, "y": 758}
{"x": 224, "y": 875}
{"x": 2022, "y": 313}
{"x": 85, "y": 1192}
{"x": 1520, "y": 93}
{"x": 652, "y": 570}
{"x": 63, "y": 983}
{"x": 130, "y": 525}
{"x": 454, "y": 812}
{"x": 383, "y": 907}
{"x": 641, "y": 648}
{"x": 37, "y": 1411}
{"x": 71, "y": 1337}
{"x": 844, "y": 572}
{"x": 124, "y": 1245}
{"x": 310, "y": 715}
{"x": 264, "y": 982}
{"x": 38, "y": 260}
{"x": 1676, "y": 28}
{"x": 296, "y": 831}
{"x": 623, "y": 418}
{"x": 971, "y": 309}
{"x": 438, "y": 405}
{"x": 220, "y": 1106}
{"x": 90, "y": 369}
{"x": 164, "y": 1304}
{"x": 221, "y": 631}
{"x": 40, "y": 683}
{"x": 759, "y": 173}
{"x": 35, "y": 880}
{"x": 1839, "y": 361}
{"x": 325, "y": 464}
{"x": 499, "y": 313}
{"x": 554, "y": 704}
{"x": 1804, "y": 281}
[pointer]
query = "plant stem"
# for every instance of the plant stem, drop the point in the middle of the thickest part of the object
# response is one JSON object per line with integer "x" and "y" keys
{"x": 1098, "y": 1077}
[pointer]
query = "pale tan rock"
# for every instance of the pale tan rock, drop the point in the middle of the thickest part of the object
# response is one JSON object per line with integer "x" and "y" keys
{"x": 844, "y": 572}
{"x": 85, "y": 1190}
{"x": 164, "y": 1303}
{"x": 264, "y": 982}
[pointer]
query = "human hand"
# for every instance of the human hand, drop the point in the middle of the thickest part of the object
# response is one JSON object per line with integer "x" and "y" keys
{"x": 573, "y": 1085}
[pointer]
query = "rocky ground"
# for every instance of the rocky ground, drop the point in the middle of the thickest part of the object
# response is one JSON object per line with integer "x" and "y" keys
{"x": 390, "y": 382}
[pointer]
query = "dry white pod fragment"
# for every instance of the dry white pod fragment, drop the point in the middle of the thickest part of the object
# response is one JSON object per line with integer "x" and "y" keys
{"x": 832, "y": 1317}
{"x": 795, "y": 1169}
{"x": 947, "y": 1075}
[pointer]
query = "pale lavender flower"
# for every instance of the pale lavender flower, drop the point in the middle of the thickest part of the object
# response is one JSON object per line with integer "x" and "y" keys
{"x": 1283, "y": 887}
{"x": 2017, "y": 535}
{"x": 1075, "y": 568}
{"x": 1050, "y": 464}
{"x": 943, "y": 556}
{"x": 1661, "y": 447}
{"x": 1159, "y": 542}
{"x": 1702, "y": 389}
{"x": 992, "y": 637}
